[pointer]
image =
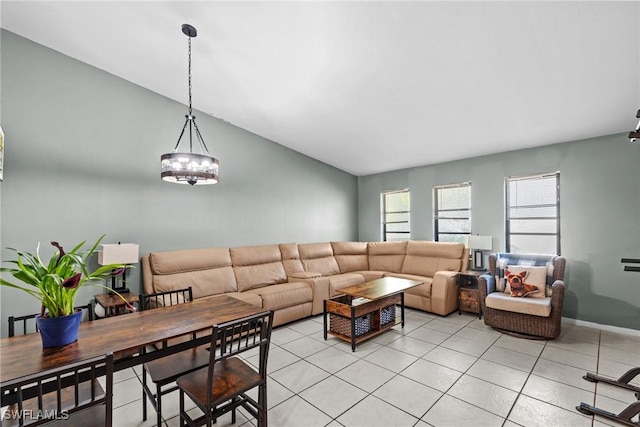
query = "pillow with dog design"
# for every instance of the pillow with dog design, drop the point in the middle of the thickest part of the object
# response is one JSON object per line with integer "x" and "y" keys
{"x": 526, "y": 281}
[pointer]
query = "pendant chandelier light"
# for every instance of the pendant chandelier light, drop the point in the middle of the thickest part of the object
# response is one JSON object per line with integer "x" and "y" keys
{"x": 189, "y": 168}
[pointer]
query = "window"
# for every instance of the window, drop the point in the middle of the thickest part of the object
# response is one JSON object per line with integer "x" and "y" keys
{"x": 533, "y": 214}
{"x": 452, "y": 212}
{"x": 395, "y": 208}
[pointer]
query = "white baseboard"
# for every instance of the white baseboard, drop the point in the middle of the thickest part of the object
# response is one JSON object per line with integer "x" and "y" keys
{"x": 616, "y": 329}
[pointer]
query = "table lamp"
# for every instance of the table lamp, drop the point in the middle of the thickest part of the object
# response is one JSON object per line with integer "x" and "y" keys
{"x": 120, "y": 253}
{"x": 478, "y": 244}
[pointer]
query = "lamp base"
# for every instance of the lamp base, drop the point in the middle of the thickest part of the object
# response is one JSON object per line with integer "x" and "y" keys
{"x": 121, "y": 290}
{"x": 478, "y": 261}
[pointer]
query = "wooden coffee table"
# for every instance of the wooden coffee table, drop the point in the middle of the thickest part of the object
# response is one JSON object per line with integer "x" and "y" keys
{"x": 366, "y": 310}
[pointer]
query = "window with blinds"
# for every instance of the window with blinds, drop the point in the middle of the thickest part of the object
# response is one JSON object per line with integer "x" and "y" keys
{"x": 533, "y": 214}
{"x": 395, "y": 215}
{"x": 452, "y": 212}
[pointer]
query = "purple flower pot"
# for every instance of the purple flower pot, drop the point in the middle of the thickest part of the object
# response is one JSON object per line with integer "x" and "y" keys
{"x": 57, "y": 331}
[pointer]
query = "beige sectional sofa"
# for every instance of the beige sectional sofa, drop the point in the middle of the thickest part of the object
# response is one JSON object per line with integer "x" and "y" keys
{"x": 294, "y": 279}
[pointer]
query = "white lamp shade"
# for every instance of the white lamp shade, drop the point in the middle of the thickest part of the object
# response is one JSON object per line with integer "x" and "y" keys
{"x": 121, "y": 253}
{"x": 482, "y": 243}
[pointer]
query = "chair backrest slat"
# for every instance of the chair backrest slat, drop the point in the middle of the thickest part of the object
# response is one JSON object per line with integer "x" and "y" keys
{"x": 30, "y": 325}
{"x": 162, "y": 299}
{"x": 57, "y": 381}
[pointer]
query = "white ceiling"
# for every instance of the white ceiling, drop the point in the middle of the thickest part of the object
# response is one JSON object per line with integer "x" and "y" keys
{"x": 365, "y": 86}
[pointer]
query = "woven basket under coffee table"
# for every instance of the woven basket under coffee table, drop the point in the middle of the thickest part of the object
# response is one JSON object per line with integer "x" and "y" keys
{"x": 366, "y": 310}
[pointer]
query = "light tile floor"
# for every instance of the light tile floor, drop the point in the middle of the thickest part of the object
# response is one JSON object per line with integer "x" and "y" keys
{"x": 437, "y": 371}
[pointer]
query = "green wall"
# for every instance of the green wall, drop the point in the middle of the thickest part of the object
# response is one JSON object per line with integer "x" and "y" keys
{"x": 83, "y": 158}
{"x": 599, "y": 213}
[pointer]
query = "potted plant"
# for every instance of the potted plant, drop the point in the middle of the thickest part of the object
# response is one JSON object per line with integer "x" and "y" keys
{"x": 55, "y": 284}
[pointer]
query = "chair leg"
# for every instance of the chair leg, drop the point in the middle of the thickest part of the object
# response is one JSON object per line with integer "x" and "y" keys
{"x": 144, "y": 394}
{"x": 183, "y": 421}
{"x": 262, "y": 405}
{"x": 233, "y": 411}
{"x": 159, "y": 404}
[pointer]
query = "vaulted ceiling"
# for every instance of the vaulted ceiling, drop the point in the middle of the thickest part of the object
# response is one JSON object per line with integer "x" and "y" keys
{"x": 366, "y": 86}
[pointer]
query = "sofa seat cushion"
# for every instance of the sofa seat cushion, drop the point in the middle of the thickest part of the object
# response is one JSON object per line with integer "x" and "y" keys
{"x": 248, "y": 297}
{"x": 284, "y": 295}
{"x": 371, "y": 275}
{"x": 423, "y": 290}
{"x": 533, "y": 306}
{"x": 341, "y": 281}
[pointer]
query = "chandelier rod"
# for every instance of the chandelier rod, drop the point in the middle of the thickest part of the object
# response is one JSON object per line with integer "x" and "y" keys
{"x": 191, "y": 119}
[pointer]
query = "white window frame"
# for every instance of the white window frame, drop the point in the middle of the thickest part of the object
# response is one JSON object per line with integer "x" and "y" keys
{"x": 385, "y": 212}
{"x": 437, "y": 210}
{"x": 509, "y": 205}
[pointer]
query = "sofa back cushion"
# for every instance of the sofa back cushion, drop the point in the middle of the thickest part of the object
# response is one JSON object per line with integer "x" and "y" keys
{"x": 318, "y": 257}
{"x": 206, "y": 271}
{"x": 257, "y": 266}
{"x": 425, "y": 258}
{"x": 351, "y": 256}
{"x": 291, "y": 258}
{"x": 386, "y": 256}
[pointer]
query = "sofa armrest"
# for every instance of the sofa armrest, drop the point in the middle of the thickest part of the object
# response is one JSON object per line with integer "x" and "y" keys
{"x": 320, "y": 286}
{"x": 304, "y": 275}
{"x": 444, "y": 292}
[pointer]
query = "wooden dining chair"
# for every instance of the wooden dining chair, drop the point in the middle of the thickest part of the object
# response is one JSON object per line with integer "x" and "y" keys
{"x": 164, "y": 371}
{"x": 43, "y": 398}
{"x": 27, "y": 324}
{"x": 222, "y": 386}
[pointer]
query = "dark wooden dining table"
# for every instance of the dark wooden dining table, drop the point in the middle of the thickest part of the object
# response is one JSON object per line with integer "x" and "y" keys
{"x": 122, "y": 335}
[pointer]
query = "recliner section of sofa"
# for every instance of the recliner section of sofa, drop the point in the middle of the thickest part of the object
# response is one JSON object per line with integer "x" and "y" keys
{"x": 294, "y": 279}
{"x": 436, "y": 264}
{"x": 259, "y": 270}
{"x": 319, "y": 258}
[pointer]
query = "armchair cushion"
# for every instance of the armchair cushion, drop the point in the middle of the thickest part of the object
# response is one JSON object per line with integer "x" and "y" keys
{"x": 533, "y": 306}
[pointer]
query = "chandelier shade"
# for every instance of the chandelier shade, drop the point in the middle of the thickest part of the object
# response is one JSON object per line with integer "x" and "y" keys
{"x": 189, "y": 167}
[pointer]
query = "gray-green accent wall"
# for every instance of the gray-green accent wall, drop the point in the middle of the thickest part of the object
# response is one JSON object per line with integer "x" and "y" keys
{"x": 599, "y": 214}
{"x": 83, "y": 158}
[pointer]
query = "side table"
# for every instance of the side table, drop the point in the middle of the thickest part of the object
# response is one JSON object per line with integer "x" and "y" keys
{"x": 468, "y": 293}
{"x": 114, "y": 305}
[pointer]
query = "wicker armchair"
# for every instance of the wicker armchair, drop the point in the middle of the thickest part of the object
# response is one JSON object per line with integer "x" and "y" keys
{"x": 520, "y": 324}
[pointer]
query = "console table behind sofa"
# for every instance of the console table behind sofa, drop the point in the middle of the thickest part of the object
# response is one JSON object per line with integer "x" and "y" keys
{"x": 294, "y": 279}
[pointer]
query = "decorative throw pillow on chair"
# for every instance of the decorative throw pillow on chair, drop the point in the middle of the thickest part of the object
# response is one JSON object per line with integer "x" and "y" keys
{"x": 526, "y": 281}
